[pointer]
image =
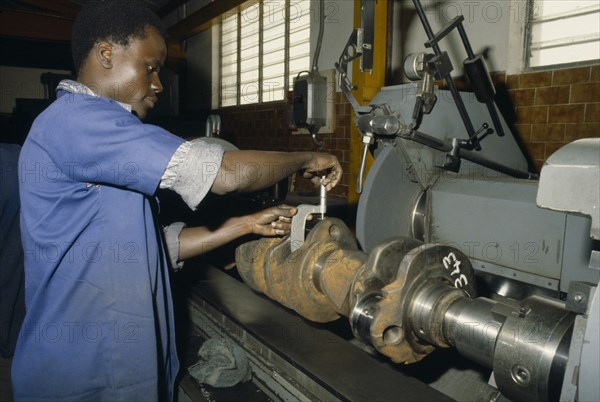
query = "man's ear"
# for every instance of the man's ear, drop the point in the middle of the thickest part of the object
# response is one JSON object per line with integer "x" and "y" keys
{"x": 104, "y": 54}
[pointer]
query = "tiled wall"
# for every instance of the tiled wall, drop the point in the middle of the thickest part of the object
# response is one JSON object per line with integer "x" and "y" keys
{"x": 551, "y": 108}
{"x": 555, "y": 107}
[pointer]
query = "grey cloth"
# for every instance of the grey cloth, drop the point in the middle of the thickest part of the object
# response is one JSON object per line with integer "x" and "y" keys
{"x": 172, "y": 233}
{"x": 190, "y": 173}
{"x": 222, "y": 364}
{"x": 192, "y": 170}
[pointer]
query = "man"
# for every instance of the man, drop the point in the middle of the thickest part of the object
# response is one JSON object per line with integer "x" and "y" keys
{"x": 99, "y": 322}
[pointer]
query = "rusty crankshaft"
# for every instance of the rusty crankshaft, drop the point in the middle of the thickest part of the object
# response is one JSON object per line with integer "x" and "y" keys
{"x": 382, "y": 293}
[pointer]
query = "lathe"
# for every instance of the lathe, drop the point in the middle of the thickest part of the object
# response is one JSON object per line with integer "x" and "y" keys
{"x": 457, "y": 247}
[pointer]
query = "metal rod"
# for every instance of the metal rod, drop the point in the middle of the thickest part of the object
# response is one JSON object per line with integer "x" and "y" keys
{"x": 441, "y": 34}
{"x": 451, "y": 86}
{"x": 315, "y": 65}
{"x": 495, "y": 118}
{"x": 465, "y": 41}
{"x": 323, "y": 198}
{"x": 489, "y": 103}
{"x": 474, "y": 157}
{"x": 482, "y": 161}
{"x": 361, "y": 171}
{"x": 462, "y": 110}
{"x": 430, "y": 141}
{"x": 424, "y": 21}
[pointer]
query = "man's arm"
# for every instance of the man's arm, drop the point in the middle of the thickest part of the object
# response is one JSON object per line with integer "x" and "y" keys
{"x": 247, "y": 171}
{"x": 275, "y": 221}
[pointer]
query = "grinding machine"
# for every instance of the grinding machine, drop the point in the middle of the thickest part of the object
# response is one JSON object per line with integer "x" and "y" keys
{"x": 456, "y": 244}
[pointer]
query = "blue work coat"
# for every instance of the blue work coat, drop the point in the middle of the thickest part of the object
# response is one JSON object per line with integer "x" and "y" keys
{"x": 99, "y": 322}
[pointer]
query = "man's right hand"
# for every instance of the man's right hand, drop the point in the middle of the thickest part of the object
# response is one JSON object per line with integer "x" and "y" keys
{"x": 323, "y": 164}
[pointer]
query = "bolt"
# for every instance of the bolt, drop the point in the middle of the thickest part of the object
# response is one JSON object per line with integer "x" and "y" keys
{"x": 578, "y": 298}
{"x": 520, "y": 375}
{"x": 523, "y": 312}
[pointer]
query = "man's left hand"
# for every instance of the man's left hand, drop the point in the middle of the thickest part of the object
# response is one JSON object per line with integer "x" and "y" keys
{"x": 274, "y": 221}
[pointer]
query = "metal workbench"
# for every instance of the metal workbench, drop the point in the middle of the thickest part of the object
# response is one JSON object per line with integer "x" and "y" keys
{"x": 291, "y": 358}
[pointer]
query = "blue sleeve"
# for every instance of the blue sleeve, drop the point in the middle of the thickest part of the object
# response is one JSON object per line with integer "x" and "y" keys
{"x": 95, "y": 140}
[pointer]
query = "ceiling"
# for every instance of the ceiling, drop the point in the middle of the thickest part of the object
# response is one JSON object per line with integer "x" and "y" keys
{"x": 53, "y": 20}
{"x": 66, "y": 8}
{"x": 59, "y": 9}
{"x": 155, "y": 5}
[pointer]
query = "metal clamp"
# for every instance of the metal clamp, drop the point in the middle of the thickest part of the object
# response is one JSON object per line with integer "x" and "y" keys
{"x": 299, "y": 220}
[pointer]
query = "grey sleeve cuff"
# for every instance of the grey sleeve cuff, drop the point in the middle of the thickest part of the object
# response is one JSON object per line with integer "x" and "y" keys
{"x": 172, "y": 233}
{"x": 192, "y": 170}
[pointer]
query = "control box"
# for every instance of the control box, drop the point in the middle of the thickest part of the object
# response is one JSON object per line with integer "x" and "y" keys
{"x": 310, "y": 100}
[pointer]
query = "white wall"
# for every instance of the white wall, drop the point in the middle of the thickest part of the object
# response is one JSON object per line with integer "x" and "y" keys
{"x": 493, "y": 28}
{"x": 338, "y": 27}
{"x": 339, "y": 17}
{"x": 20, "y": 82}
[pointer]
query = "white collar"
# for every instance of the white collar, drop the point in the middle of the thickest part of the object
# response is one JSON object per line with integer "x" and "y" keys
{"x": 77, "y": 87}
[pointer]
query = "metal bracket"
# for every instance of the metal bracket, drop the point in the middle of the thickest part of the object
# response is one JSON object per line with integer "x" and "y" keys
{"x": 353, "y": 50}
{"x": 580, "y": 297}
{"x": 299, "y": 220}
{"x": 299, "y": 224}
{"x": 367, "y": 22}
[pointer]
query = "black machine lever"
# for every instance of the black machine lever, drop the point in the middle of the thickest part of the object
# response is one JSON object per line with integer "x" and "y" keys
{"x": 475, "y": 69}
{"x": 428, "y": 67}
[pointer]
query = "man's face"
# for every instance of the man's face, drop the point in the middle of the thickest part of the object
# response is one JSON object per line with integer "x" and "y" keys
{"x": 135, "y": 72}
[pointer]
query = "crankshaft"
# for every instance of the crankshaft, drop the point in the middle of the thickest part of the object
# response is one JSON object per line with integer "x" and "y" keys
{"x": 407, "y": 298}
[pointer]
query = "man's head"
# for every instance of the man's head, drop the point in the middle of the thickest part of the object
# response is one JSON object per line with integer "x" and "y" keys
{"x": 118, "y": 49}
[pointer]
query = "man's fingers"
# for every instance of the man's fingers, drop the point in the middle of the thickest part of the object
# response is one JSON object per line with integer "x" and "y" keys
{"x": 330, "y": 181}
{"x": 284, "y": 211}
{"x": 281, "y": 228}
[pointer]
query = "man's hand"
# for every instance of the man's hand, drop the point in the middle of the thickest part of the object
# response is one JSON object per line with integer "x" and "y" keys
{"x": 274, "y": 221}
{"x": 322, "y": 164}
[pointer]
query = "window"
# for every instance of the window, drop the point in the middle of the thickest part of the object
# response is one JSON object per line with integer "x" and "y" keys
{"x": 263, "y": 45}
{"x": 562, "y": 32}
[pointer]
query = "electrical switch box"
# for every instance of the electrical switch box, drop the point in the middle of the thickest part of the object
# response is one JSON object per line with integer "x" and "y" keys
{"x": 310, "y": 100}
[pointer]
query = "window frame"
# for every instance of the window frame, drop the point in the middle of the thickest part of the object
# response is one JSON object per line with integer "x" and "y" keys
{"x": 217, "y": 102}
{"x": 528, "y": 36}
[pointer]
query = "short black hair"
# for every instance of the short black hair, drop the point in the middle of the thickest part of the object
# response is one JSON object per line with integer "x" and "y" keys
{"x": 115, "y": 21}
